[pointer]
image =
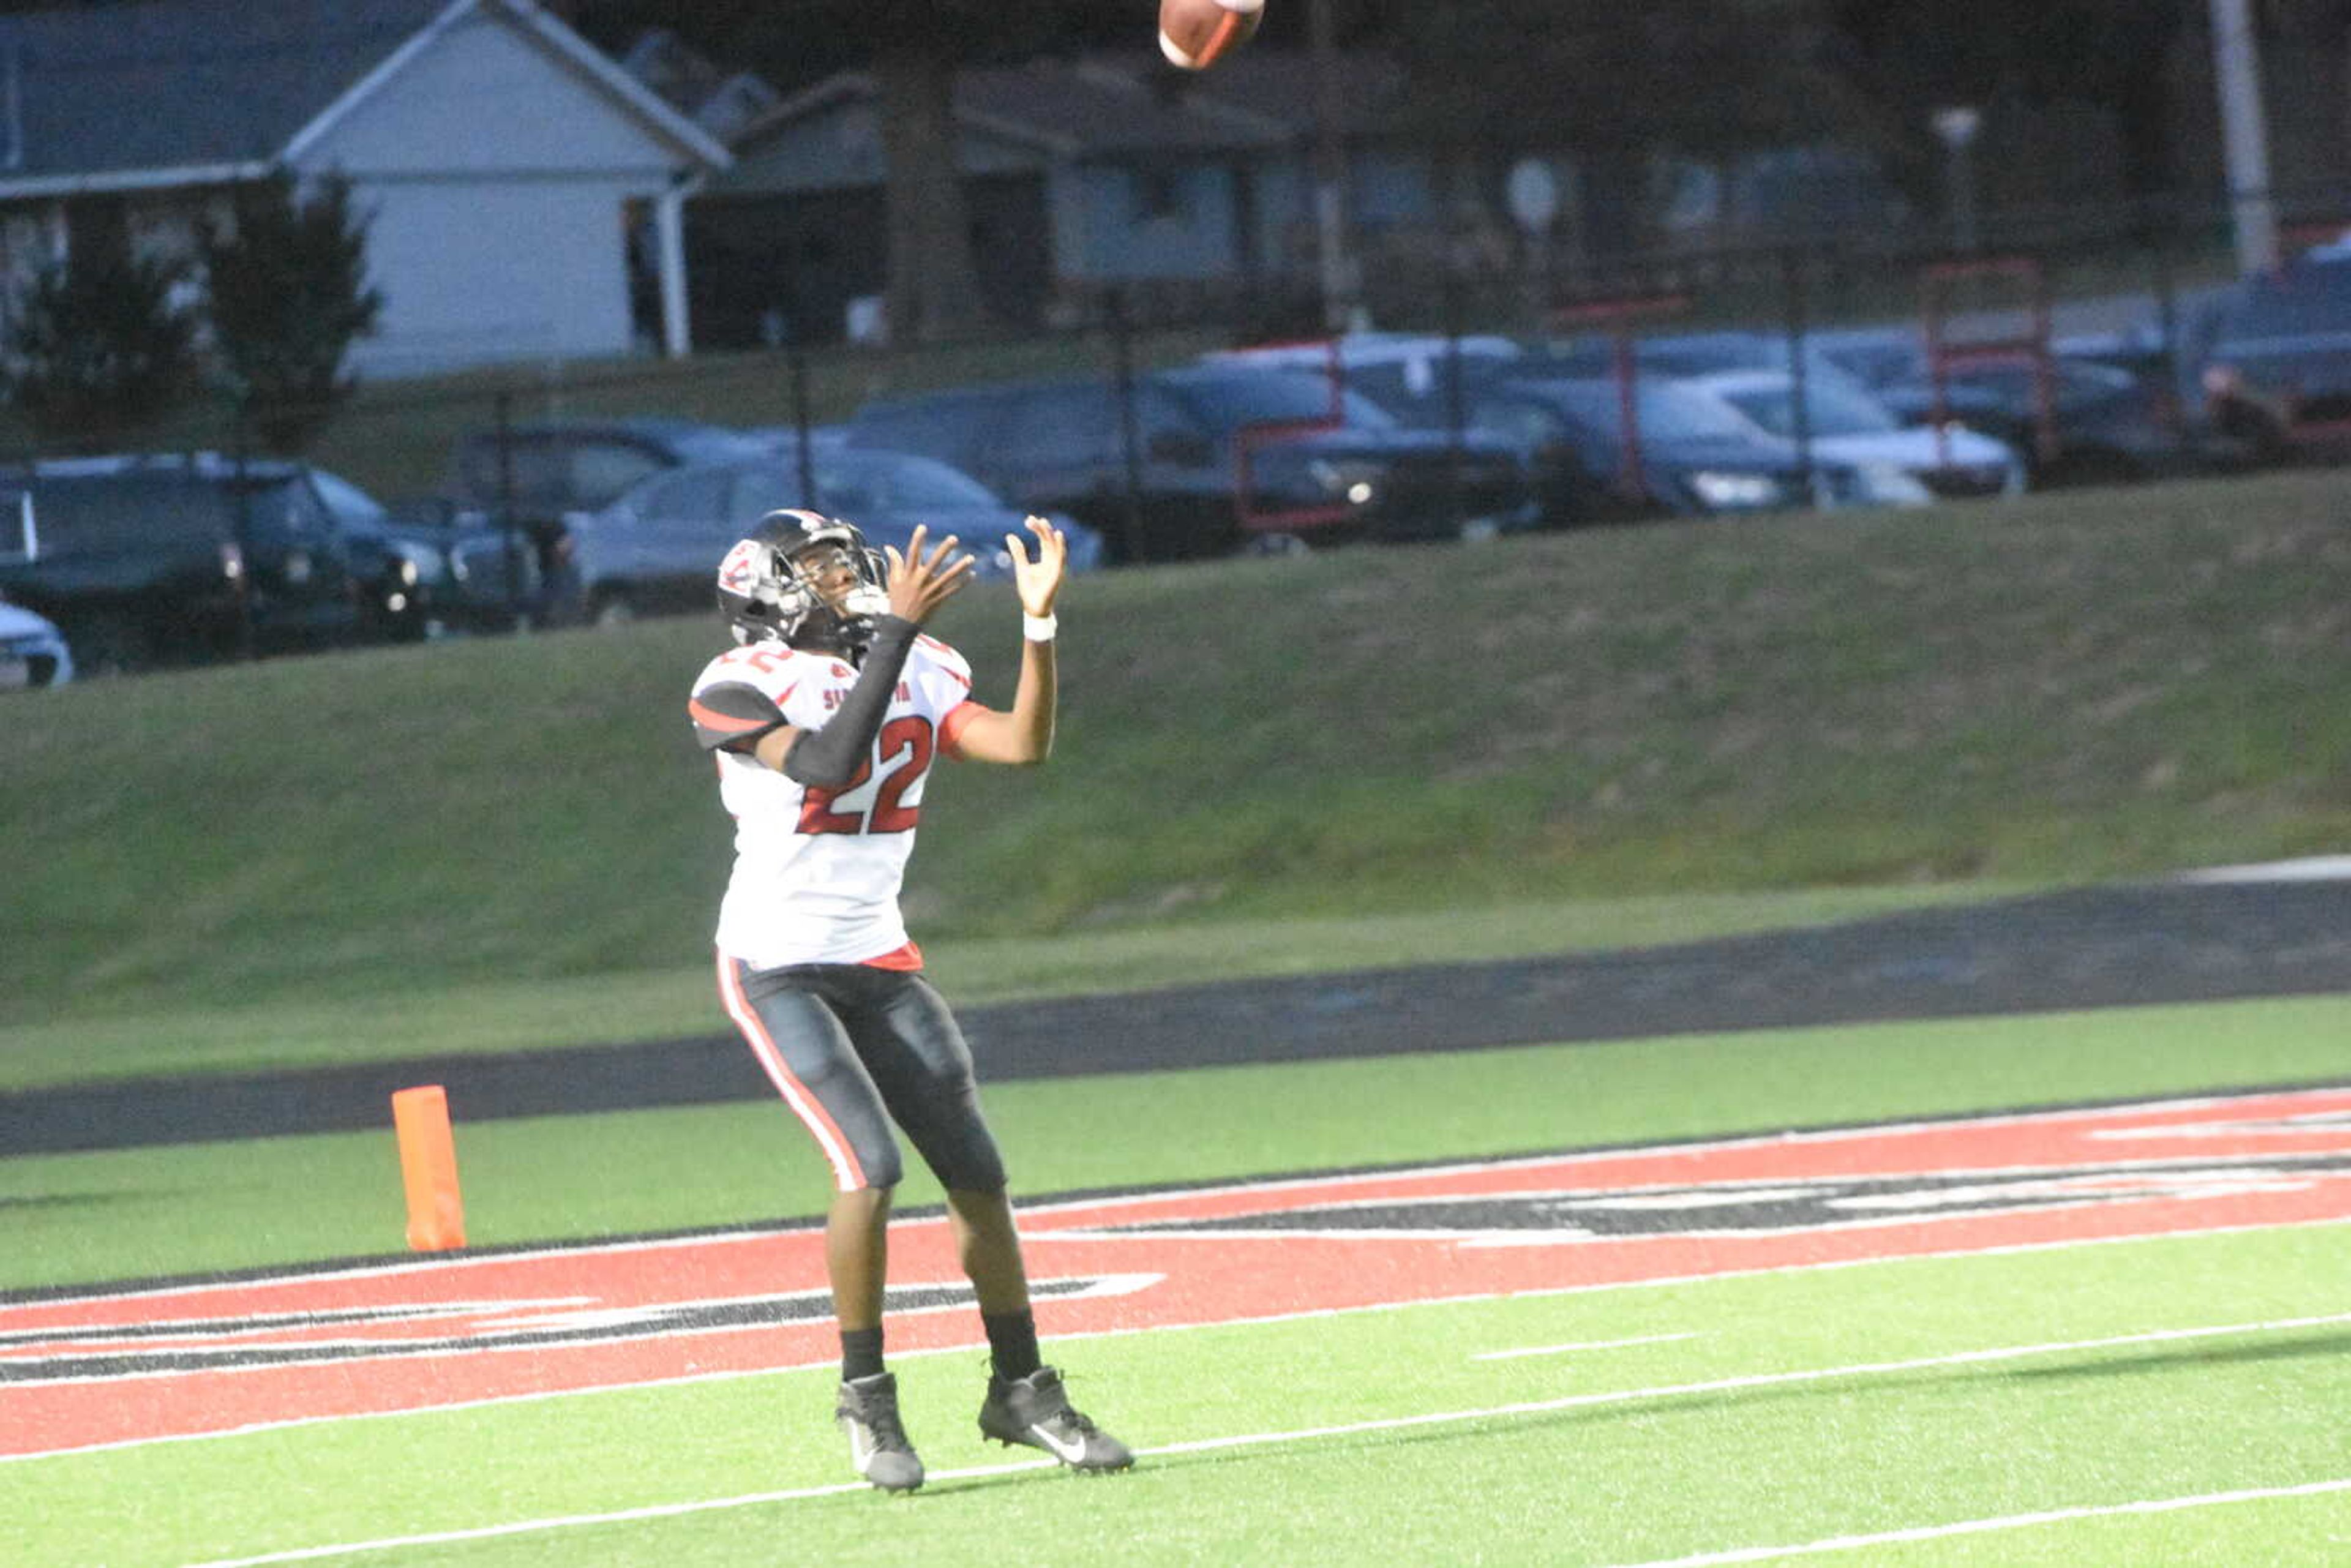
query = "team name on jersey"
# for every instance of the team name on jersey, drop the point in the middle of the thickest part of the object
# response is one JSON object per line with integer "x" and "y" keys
{"x": 835, "y": 697}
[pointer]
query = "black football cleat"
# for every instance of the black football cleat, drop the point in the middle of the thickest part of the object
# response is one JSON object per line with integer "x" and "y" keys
{"x": 868, "y": 1412}
{"x": 1035, "y": 1411}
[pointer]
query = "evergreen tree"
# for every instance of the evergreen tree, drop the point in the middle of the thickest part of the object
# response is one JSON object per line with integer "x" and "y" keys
{"x": 100, "y": 350}
{"x": 286, "y": 283}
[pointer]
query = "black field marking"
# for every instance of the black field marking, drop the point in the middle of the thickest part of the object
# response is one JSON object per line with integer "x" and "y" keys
{"x": 538, "y": 1326}
{"x": 365, "y": 1263}
{"x": 1769, "y": 1208}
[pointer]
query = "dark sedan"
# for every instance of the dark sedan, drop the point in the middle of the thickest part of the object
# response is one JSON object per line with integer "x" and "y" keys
{"x": 1681, "y": 454}
{"x": 1208, "y": 459}
{"x": 656, "y": 549}
{"x": 2106, "y": 425}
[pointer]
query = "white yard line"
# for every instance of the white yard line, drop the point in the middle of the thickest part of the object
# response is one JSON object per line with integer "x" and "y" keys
{"x": 623, "y": 1516}
{"x": 2311, "y": 868}
{"x": 1587, "y": 1344}
{"x": 1985, "y": 1526}
{"x": 1441, "y": 1419}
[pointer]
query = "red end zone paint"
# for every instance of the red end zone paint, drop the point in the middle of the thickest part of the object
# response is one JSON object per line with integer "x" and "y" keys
{"x": 415, "y": 1334}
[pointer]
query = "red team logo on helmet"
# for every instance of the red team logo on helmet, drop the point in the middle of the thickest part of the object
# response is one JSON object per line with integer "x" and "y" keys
{"x": 740, "y": 570}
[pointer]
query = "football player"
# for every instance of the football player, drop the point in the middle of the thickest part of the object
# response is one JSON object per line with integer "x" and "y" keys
{"x": 824, "y": 720}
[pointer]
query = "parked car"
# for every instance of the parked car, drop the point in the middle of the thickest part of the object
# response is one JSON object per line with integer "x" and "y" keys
{"x": 525, "y": 479}
{"x": 1696, "y": 455}
{"x": 438, "y": 568}
{"x": 2270, "y": 356}
{"x": 1874, "y": 356}
{"x": 1851, "y": 429}
{"x": 656, "y": 549}
{"x": 1834, "y": 361}
{"x": 1410, "y": 375}
{"x": 1224, "y": 457}
{"x": 146, "y": 559}
{"x": 2107, "y": 425}
{"x": 33, "y": 651}
{"x": 548, "y": 467}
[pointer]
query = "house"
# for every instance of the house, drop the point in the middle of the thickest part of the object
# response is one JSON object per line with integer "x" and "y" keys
{"x": 691, "y": 83}
{"x": 1077, "y": 173}
{"x": 524, "y": 193}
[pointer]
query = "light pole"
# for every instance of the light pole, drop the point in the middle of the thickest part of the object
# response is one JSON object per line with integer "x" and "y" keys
{"x": 1330, "y": 171}
{"x": 1956, "y": 127}
{"x": 2244, "y": 135}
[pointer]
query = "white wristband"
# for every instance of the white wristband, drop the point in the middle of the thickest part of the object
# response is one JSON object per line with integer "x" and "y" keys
{"x": 1039, "y": 628}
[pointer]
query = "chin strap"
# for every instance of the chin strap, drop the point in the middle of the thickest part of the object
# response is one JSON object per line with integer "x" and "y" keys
{"x": 828, "y": 758}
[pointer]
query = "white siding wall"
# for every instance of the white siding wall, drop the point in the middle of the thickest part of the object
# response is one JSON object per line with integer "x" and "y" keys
{"x": 496, "y": 175}
{"x": 486, "y": 272}
{"x": 1104, "y": 230}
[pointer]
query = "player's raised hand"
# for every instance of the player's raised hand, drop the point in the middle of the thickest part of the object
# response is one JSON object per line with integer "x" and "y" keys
{"x": 1038, "y": 580}
{"x": 919, "y": 582}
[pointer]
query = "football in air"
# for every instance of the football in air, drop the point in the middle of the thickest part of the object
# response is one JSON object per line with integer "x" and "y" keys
{"x": 1196, "y": 34}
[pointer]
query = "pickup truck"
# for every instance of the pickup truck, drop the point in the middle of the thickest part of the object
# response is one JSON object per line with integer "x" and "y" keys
{"x": 178, "y": 558}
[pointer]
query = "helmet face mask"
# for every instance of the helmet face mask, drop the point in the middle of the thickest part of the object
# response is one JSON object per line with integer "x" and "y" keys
{"x": 770, "y": 586}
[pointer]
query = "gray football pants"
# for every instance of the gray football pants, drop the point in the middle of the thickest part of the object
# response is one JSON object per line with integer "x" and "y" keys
{"x": 853, "y": 1048}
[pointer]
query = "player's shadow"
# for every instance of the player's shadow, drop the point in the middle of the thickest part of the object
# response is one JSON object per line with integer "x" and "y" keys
{"x": 1506, "y": 1425}
{"x": 2165, "y": 1360}
{"x": 959, "y": 1486}
{"x": 71, "y": 1200}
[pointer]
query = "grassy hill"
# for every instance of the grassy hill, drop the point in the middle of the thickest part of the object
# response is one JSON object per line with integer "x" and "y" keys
{"x": 2064, "y": 689}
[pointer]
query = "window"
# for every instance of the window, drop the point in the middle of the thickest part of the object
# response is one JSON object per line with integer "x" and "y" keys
{"x": 1832, "y": 412}
{"x": 1228, "y": 402}
{"x": 283, "y": 510}
{"x": 1157, "y": 194}
{"x": 958, "y": 429}
{"x": 602, "y": 470}
{"x": 1518, "y": 422}
{"x": 852, "y": 482}
{"x": 348, "y": 503}
{"x": 694, "y": 501}
{"x": 758, "y": 491}
{"x": 1062, "y": 427}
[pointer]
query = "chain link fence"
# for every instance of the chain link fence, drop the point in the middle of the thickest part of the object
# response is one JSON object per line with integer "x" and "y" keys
{"x": 2132, "y": 291}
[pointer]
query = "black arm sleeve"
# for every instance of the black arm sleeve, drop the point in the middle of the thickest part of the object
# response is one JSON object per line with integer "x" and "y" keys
{"x": 829, "y": 757}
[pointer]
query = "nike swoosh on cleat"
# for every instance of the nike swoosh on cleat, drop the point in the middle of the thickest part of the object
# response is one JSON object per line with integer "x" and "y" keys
{"x": 860, "y": 1454}
{"x": 1069, "y": 1453}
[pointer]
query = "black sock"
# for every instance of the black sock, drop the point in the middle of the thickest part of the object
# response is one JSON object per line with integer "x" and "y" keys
{"x": 861, "y": 1353}
{"x": 1011, "y": 1343}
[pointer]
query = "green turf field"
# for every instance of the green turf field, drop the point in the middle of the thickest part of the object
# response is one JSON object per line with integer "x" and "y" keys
{"x": 1710, "y": 1417}
{"x": 2032, "y": 1407}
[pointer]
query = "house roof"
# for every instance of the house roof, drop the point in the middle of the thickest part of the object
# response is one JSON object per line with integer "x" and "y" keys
{"x": 1065, "y": 109}
{"x": 166, "y": 92}
{"x": 1088, "y": 108}
{"x": 1367, "y": 88}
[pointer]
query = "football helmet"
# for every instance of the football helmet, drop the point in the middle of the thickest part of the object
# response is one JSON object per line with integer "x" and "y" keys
{"x": 769, "y": 594}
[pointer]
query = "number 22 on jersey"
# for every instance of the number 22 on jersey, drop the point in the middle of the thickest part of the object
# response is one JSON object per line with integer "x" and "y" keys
{"x": 876, "y": 800}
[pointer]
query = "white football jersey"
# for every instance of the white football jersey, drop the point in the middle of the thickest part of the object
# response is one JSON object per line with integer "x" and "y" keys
{"x": 817, "y": 872}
